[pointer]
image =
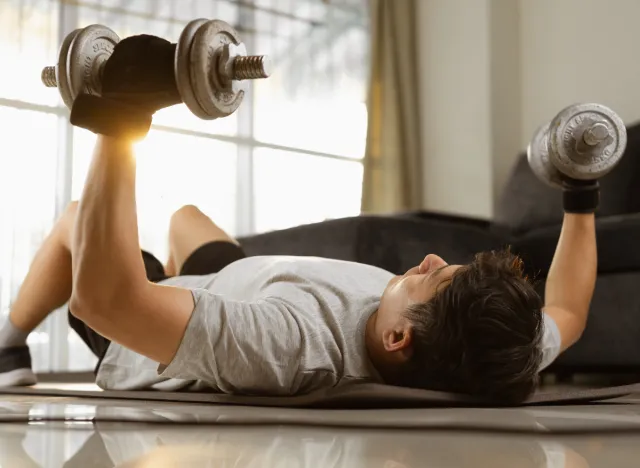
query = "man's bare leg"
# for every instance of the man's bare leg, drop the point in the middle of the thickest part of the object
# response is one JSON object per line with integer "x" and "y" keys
{"x": 189, "y": 229}
{"x": 46, "y": 287}
{"x": 170, "y": 267}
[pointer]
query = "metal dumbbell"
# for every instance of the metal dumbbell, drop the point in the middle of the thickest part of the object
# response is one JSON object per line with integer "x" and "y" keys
{"x": 211, "y": 66}
{"x": 81, "y": 59}
{"x": 584, "y": 142}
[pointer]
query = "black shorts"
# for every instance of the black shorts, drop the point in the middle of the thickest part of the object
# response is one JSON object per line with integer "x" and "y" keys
{"x": 205, "y": 260}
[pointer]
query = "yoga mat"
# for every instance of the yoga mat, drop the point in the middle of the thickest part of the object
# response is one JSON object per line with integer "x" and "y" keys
{"x": 356, "y": 396}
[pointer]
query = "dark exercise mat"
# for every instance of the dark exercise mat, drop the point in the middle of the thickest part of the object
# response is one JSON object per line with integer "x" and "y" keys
{"x": 358, "y": 396}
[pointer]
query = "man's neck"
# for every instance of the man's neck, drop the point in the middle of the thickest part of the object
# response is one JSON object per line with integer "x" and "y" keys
{"x": 374, "y": 346}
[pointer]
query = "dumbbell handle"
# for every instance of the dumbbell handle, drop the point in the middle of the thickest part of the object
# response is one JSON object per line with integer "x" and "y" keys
{"x": 250, "y": 67}
{"x": 49, "y": 77}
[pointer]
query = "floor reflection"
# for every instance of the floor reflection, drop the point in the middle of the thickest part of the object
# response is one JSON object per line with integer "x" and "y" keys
{"x": 164, "y": 446}
{"x": 122, "y": 433}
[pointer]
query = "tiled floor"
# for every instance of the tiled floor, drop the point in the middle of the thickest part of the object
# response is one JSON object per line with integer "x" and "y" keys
{"x": 75, "y": 432}
{"x": 77, "y": 445}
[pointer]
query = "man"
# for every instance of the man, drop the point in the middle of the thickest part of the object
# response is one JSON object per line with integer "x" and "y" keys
{"x": 279, "y": 325}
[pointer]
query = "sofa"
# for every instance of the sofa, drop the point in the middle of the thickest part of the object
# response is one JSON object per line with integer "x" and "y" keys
{"x": 528, "y": 219}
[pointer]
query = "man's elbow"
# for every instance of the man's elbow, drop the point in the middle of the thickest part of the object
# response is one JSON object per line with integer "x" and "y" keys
{"x": 581, "y": 328}
{"x": 94, "y": 303}
{"x": 576, "y": 331}
{"x": 573, "y": 339}
{"x": 581, "y": 318}
{"x": 87, "y": 307}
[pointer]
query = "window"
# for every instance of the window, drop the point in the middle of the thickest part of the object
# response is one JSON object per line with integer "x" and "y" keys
{"x": 301, "y": 132}
{"x": 172, "y": 170}
{"x": 323, "y": 188}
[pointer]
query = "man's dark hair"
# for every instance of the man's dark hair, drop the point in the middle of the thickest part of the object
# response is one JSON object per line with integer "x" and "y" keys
{"x": 480, "y": 334}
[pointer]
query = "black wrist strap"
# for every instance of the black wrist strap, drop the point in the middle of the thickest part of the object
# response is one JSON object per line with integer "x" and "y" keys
{"x": 111, "y": 118}
{"x": 581, "y": 200}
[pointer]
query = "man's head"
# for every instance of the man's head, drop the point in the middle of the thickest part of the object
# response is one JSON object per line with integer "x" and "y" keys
{"x": 473, "y": 329}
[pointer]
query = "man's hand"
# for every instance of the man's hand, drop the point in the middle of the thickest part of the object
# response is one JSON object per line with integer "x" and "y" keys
{"x": 140, "y": 72}
{"x": 138, "y": 80}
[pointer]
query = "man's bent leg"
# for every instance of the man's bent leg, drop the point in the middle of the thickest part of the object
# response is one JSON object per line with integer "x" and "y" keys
{"x": 46, "y": 287}
{"x": 191, "y": 229}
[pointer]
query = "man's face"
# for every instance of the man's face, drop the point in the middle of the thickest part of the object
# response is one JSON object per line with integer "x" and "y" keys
{"x": 417, "y": 285}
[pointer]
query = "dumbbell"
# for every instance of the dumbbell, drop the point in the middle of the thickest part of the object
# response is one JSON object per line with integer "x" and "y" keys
{"x": 583, "y": 142}
{"x": 211, "y": 66}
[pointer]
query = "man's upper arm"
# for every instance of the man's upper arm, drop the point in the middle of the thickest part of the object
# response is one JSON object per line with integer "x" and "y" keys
{"x": 150, "y": 320}
{"x": 569, "y": 325}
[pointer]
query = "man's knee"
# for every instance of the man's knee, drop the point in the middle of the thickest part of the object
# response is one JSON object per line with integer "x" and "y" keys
{"x": 71, "y": 210}
{"x": 63, "y": 228}
{"x": 184, "y": 215}
{"x": 192, "y": 228}
{"x": 187, "y": 210}
{"x": 68, "y": 217}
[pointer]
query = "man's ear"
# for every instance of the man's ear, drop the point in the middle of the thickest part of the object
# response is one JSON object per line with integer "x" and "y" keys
{"x": 398, "y": 339}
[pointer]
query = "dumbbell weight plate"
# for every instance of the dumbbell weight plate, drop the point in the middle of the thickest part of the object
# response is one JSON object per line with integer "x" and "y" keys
{"x": 209, "y": 41}
{"x": 574, "y": 158}
{"x": 182, "y": 68}
{"x": 89, "y": 50}
{"x": 62, "y": 78}
{"x": 538, "y": 157}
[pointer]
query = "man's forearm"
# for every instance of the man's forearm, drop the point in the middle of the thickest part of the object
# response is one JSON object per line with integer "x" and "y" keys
{"x": 572, "y": 276}
{"x": 105, "y": 249}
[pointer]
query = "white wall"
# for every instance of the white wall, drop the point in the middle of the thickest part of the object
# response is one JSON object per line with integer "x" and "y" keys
{"x": 579, "y": 51}
{"x": 493, "y": 70}
{"x": 506, "y": 91}
{"x": 454, "y": 65}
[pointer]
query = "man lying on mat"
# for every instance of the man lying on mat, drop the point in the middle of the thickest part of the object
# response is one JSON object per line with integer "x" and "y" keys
{"x": 275, "y": 325}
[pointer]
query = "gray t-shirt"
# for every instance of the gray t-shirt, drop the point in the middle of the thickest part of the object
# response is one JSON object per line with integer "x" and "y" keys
{"x": 270, "y": 325}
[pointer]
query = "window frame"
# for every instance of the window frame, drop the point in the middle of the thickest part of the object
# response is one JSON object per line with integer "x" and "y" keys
{"x": 56, "y": 325}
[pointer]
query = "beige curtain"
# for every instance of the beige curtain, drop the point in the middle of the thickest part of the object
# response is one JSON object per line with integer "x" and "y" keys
{"x": 392, "y": 165}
